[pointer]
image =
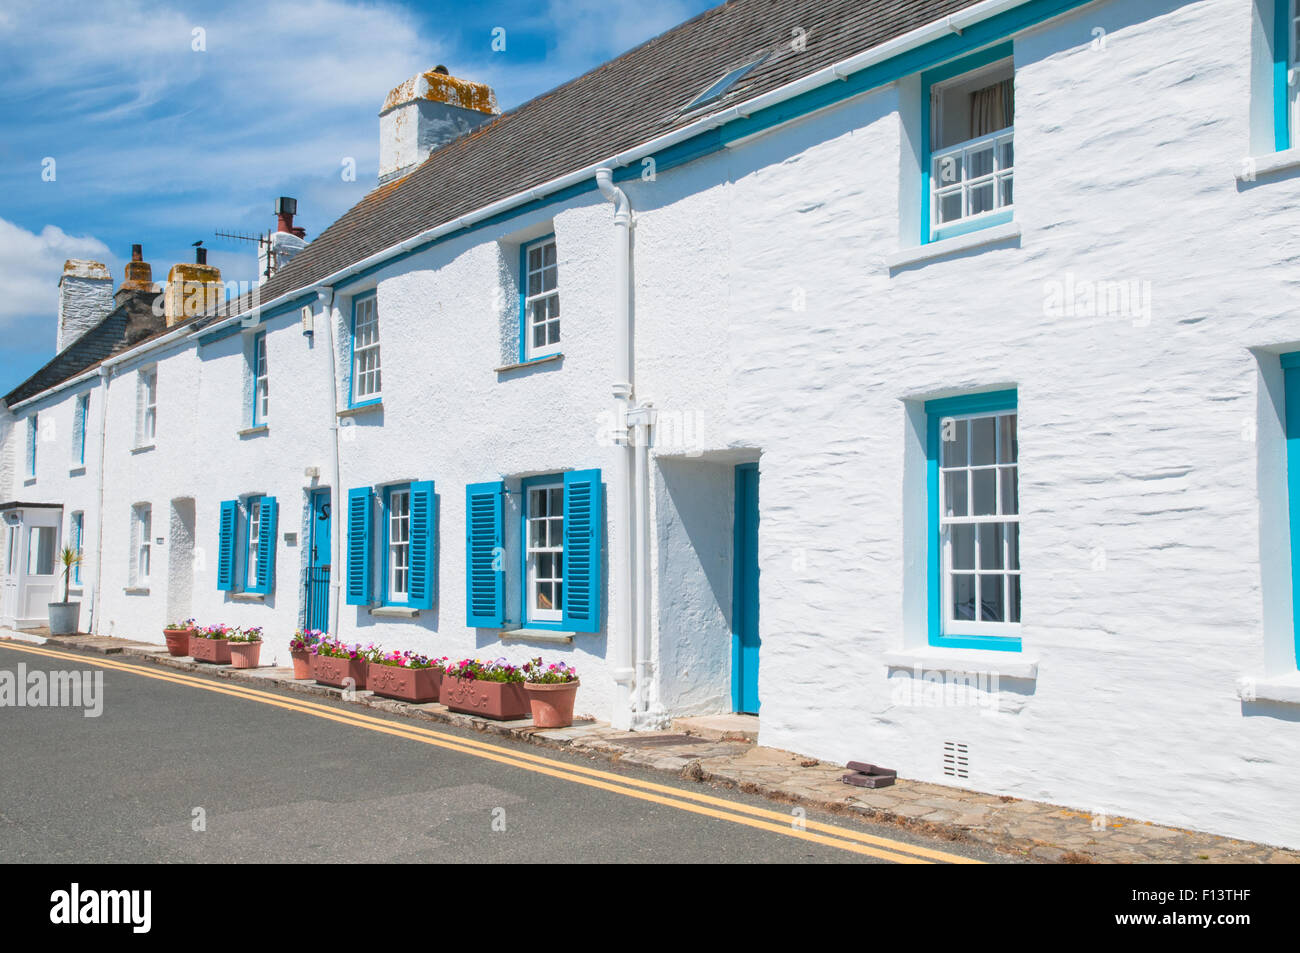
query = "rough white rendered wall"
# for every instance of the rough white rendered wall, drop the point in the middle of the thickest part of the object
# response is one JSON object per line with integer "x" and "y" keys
{"x": 85, "y": 299}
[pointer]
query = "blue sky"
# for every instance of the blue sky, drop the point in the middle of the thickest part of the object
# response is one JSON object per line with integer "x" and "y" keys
{"x": 157, "y": 142}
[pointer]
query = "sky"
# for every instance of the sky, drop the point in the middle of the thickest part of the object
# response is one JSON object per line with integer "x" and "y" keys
{"x": 159, "y": 123}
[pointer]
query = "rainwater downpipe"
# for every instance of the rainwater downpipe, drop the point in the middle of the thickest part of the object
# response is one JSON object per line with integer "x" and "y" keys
{"x": 623, "y": 625}
{"x": 96, "y": 600}
{"x": 326, "y": 298}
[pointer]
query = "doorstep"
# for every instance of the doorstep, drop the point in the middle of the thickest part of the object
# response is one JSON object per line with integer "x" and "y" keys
{"x": 1023, "y": 830}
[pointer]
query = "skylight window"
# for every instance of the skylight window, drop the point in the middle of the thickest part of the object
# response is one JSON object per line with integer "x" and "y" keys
{"x": 723, "y": 86}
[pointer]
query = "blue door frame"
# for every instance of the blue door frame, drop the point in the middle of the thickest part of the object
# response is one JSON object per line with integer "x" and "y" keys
{"x": 316, "y": 597}
{"x": 744, "y": 593}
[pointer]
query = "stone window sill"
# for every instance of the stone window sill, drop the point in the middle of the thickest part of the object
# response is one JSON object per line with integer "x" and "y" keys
{"x": 144, "y": 449}
{"x": 255, "y": 431}
{"x": 1006, "y": 232}
{"x": 362, "y": 409}
{"x": 247, "y": 597}
{"x": 973, "y": 661}
{"x": 394, "y": 612}
{"x": 136, "y": 590}
{"x": 520, "y": 365}
{"x": 1281, "y": 689}
{"x": 538, "y": 635}
{"x": 78, "y": 470}
{"x": 1255, "y": 166}
{"x": 29, "y": 481}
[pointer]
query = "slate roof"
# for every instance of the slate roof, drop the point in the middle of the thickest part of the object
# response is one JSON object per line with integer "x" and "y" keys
{"x": 629, "y": 100}
{"x": 130, "y": 323}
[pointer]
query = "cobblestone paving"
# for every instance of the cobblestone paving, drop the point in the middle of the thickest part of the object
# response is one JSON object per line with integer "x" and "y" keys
{"x": 1025, "y": 829}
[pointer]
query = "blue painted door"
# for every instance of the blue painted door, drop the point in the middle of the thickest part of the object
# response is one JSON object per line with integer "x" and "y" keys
{"x": 744, "y": 593}
{"x": 316, "y": 598}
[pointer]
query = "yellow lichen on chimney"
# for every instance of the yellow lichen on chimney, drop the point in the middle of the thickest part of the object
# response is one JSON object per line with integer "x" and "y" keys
{"x": 192, "y": 289}
{"x": 441, "y": 88}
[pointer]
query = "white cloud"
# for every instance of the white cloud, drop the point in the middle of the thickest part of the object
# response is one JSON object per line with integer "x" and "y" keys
{"x": 30, "y": 266}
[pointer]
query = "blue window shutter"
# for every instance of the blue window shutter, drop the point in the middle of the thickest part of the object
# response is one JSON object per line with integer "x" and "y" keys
{"x": 359, "y": 516}
{"x": 226, "y": 546}
{"x": 265, "y": 581}
{"x": 421, "y": 579}
{"x": 584, "y": 525}
{"x": 485, "y": 591}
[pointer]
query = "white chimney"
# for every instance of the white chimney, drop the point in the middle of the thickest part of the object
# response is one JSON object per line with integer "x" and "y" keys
{"x": 283, "y": 243}
{"x": 424, "y": 114}
{"x": 85, "y": 299}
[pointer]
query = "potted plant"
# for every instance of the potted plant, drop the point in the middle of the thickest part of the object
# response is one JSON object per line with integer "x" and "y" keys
{"x": 300, "y": 650}
{"x": 491, "y": 689}
{"x": 65, "y": 615}
{"x": 211, "y": 644}
{"x": 332, "y": 662}
{"x": 551, "y": 690}
{"x": 178, "y": 635}
{"x": 406, "y": 676}
{"x": 245, "y": 646}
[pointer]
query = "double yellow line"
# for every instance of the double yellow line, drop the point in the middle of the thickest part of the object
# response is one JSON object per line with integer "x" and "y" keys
{"x": 695, "y": 802}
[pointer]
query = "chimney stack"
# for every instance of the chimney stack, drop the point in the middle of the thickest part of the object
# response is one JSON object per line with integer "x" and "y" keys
{"x": 283, "y": 243}
{"x": 85, "y": 299}
{"x": 424, "y": 114}
{"x": 192, "y": 290}
{"x": 138, "y": 277}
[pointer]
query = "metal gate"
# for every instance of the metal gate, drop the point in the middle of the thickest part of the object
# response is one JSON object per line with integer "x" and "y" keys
{"x": 316, "y": 598}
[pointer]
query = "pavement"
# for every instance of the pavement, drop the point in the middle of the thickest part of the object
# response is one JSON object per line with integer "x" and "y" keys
{"x": 721, "y": 753}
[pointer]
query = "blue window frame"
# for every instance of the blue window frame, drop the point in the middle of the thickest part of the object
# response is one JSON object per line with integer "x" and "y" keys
{"x": 80, "y": 417}
{"x": 1291, "y": 374}
{"x": 261, "y": 380}
{"x": 973, "y": 534}
{"x": 364, "y": 379}
{"x": 967, "y": 144}
{"x": 561, "y": 538}
{"x": 259, "y": 544}
{"x": 539, "y": 299}
{"x": 396, "y": 561}
{"x": 78, "y": 528}
{"x": 1284, "y": 58}
{"x": 542, "y": 534}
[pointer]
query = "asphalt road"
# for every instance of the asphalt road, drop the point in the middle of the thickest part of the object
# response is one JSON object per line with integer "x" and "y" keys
{"x": 277, "y": 778}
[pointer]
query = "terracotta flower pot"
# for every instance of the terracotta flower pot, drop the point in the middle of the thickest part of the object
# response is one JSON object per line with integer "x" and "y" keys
{"x": 245, "y": 654}
{"x": 504, "y": 701}
{"x": 552, "y": 705}
{"x": 301, "y": 664}
{"x": 417, "y": 685}
{"x": 332, "y": 671}
{"x": 178, "y": 641}
{"x": 216, "y": 651}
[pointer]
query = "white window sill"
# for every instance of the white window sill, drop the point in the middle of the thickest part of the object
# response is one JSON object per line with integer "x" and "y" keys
{"x": 255, "y": 431}
{"x": 394, "y": 612}
{"x": 538, "y": 635}
{"x": 363, "y": 409}
{"x": 136, "y": 590}
{"x": 1282, "y": 689}
{"x": 1254, "y": 166}
{"x": 143, "y": 449}
{"x": 1007, "y": 231}
{"x": 531, "y": 362}
{"x": 75, "y": 591}
{"x": 78, "y": 470}
{"x": 247, "y": 597}
{"x": 974, "y": 661}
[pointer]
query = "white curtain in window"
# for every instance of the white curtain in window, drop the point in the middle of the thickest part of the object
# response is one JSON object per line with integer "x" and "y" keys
{"x": 992, "y": 108}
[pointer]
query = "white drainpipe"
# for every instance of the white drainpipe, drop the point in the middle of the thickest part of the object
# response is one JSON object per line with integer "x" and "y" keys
{"x": 338, "y": 508}
{"x": 623, "y": 624}
{"x": 96, "y": 601}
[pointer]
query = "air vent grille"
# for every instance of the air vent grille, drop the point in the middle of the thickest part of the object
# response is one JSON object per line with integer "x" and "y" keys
{"x": 956, "y": 762}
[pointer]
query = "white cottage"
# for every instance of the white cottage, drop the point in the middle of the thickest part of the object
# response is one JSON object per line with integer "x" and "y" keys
{"x": 925, "y": 375}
